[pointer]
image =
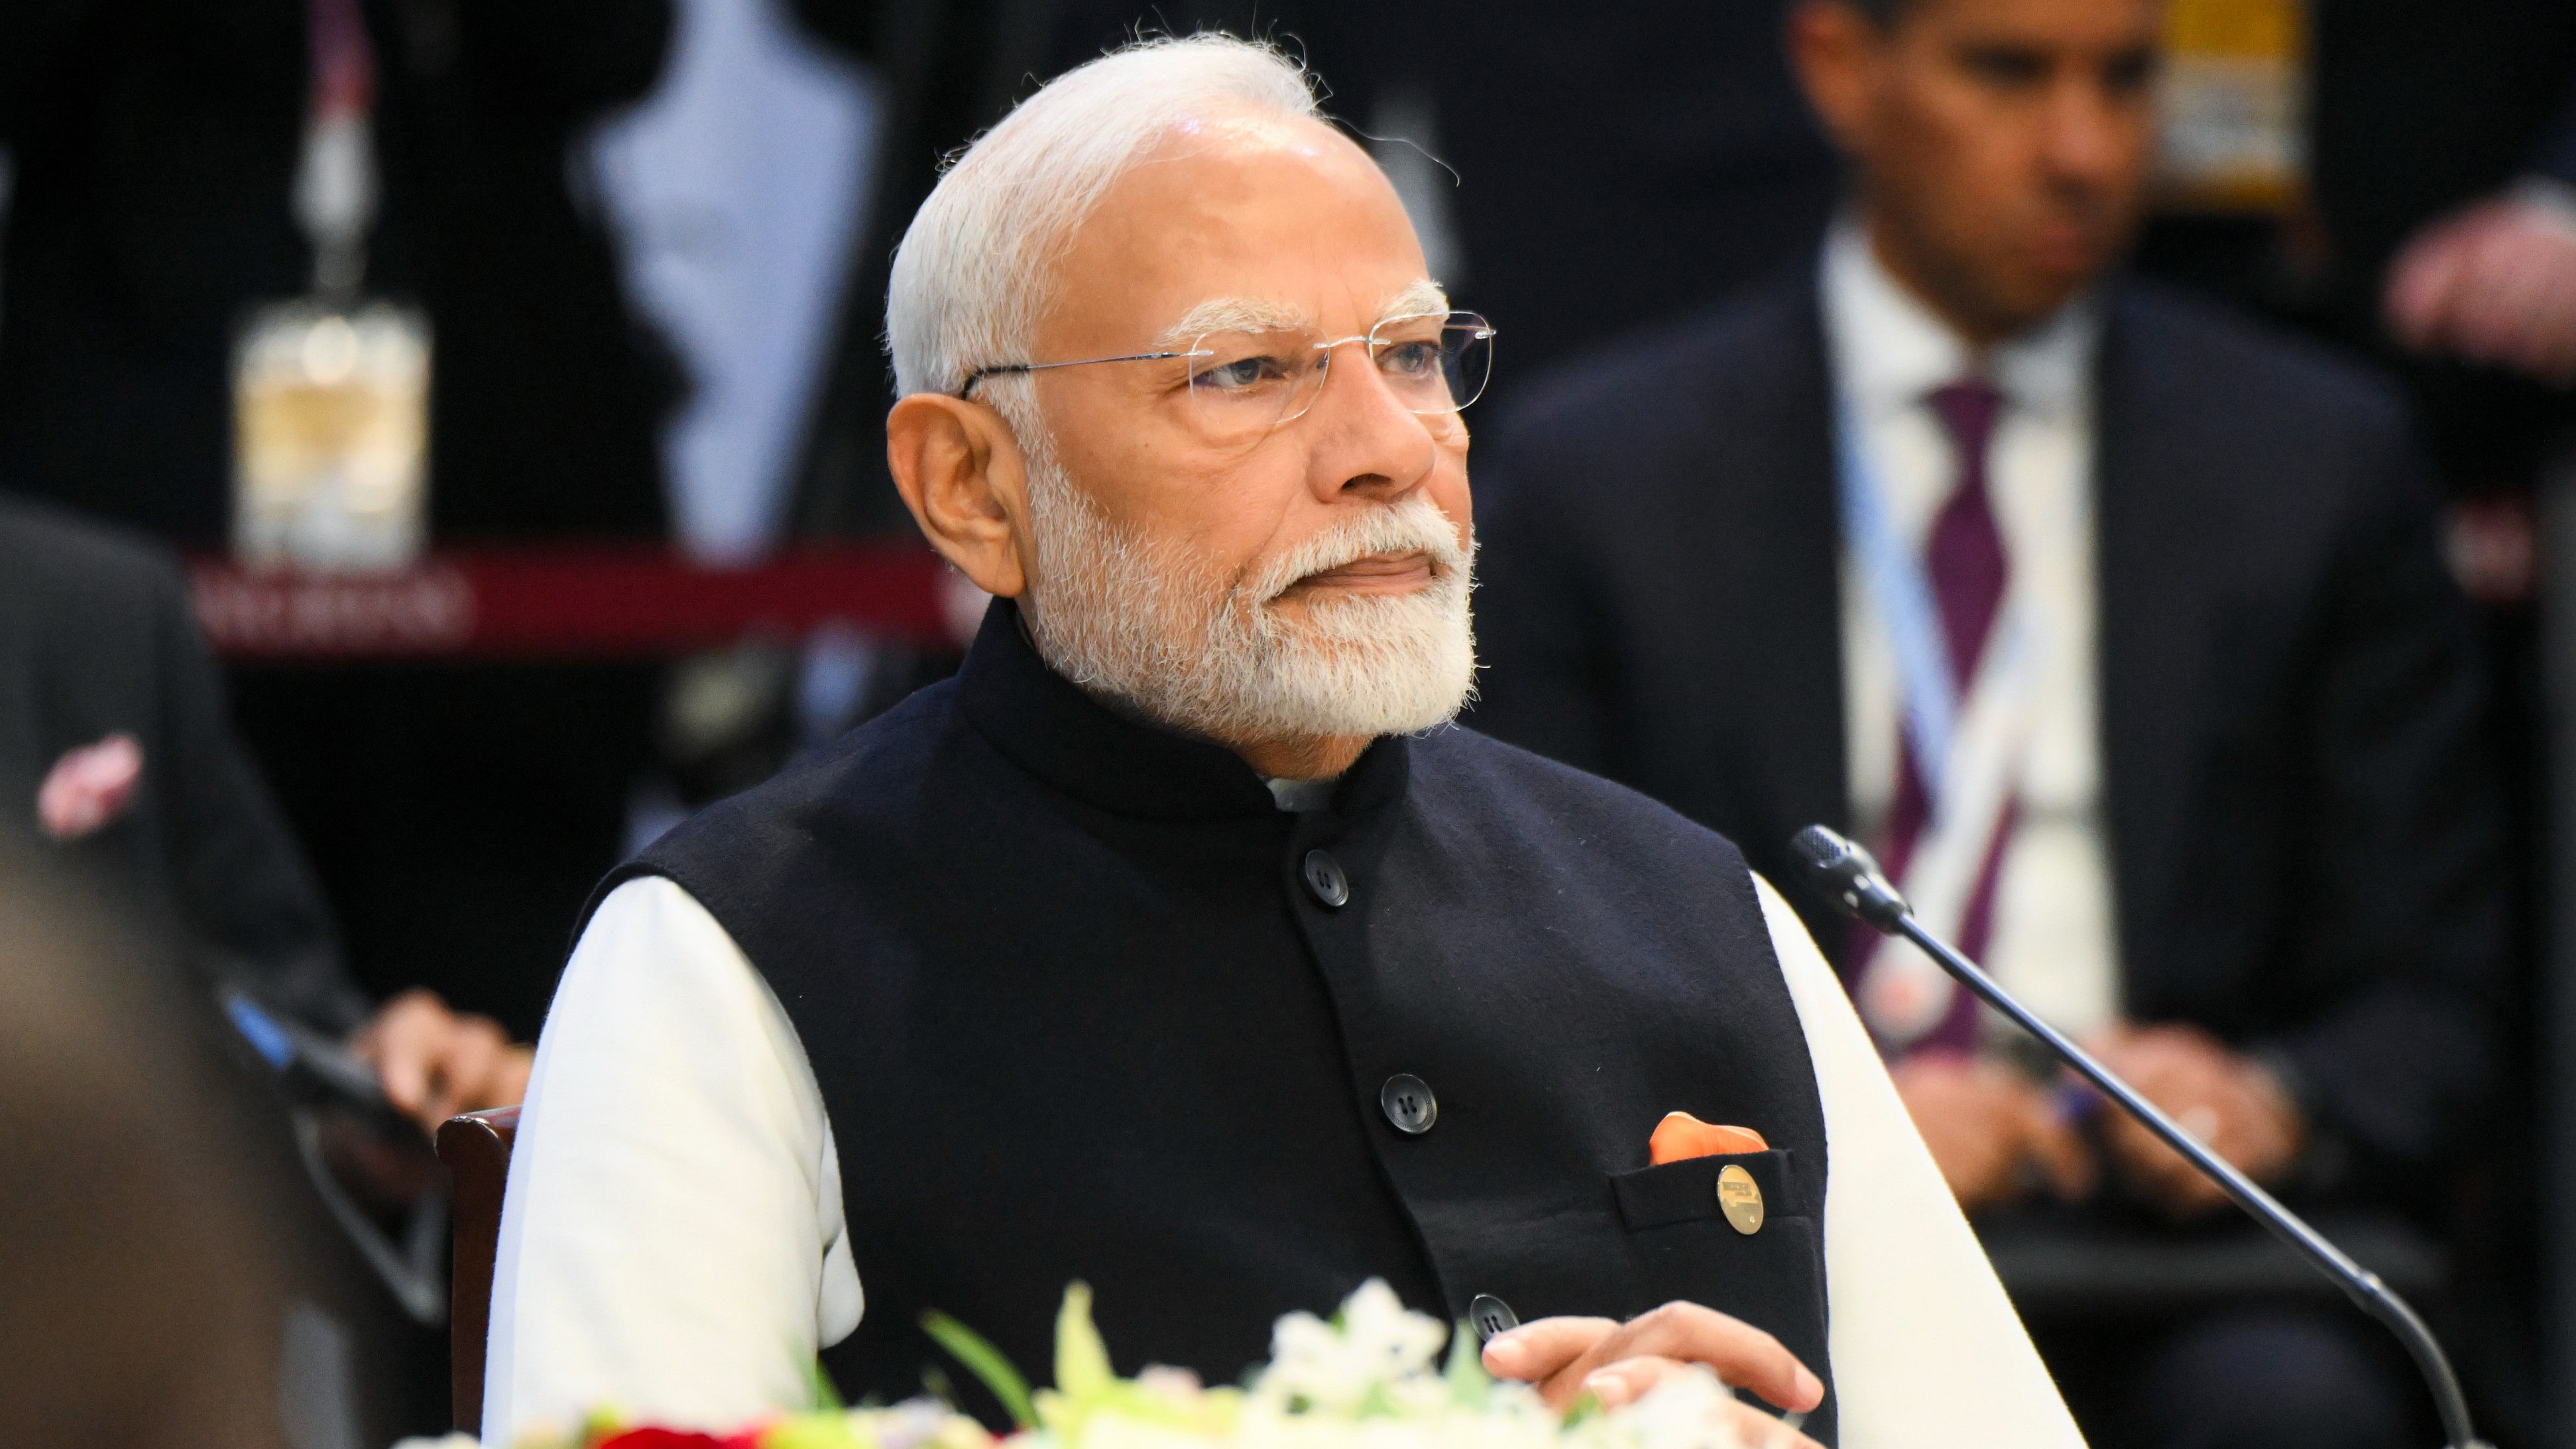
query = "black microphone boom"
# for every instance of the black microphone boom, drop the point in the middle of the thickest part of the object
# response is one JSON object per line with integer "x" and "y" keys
{"x": 1851, "y": 877}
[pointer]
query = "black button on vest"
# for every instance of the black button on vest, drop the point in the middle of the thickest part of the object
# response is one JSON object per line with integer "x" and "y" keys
{"x": 1325, "y": 881}
{"x": 1491, "y": 1316}
{"x": 1407, "y": 1101}
{"x": 1075, "y": 1014}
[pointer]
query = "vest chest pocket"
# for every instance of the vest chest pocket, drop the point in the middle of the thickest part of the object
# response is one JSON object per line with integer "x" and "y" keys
{"x": 1743, "y": 1190}
{"x": 1688, "y": 1239}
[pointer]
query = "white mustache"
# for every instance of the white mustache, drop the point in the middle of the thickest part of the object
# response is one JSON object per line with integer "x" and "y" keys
{"x": 1412, "y": 526}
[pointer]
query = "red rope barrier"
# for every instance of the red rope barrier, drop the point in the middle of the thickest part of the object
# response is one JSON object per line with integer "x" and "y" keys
{"x": 591, "y": 601}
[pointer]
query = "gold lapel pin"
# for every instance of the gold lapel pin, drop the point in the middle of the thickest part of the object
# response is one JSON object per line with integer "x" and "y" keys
{"x": 1740, "y": 1198}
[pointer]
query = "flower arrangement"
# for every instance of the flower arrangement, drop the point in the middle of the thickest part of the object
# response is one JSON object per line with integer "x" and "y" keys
{"x": 1372, "y": 1377}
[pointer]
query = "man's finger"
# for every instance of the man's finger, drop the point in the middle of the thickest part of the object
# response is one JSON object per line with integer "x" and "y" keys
{"x": 1537, "y": 1349}
{"x": 1741, "y": 1355}
{"x": 2171, "y": 1181}
{"x": 508, "y": 1084}
{"x": 1627, "y": 1380}
{"x": 402, "y": 1069}
{"x": 471, "y": 1054}
{"x": 402, "y": 1042}
{"x": 2141, "y": 1152}
{"x": 406, "y": 1067}
{"x": 2418, "y": 299}
{"x": 462, "y": 1061}
{"x": 2060, "y": 1151}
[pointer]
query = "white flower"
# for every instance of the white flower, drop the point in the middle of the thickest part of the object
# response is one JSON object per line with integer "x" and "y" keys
{"x": 1685, "y": 1410}
{"x": 1378, "y": 1357}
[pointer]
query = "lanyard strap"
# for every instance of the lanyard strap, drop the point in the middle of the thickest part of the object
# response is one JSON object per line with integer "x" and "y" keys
{"x": 335, "y": 181}
{"x": 1967, "y": 750}
{"x": 1897, "y": 584}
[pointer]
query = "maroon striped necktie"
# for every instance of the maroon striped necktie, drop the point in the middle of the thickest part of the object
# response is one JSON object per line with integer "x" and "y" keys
{"x": 1963, "y": 557}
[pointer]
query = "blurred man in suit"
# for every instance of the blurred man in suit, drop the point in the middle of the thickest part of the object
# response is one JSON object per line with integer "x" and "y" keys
{"x": 156, "y": 147}
{"x": 118, "y": 767}
{"x": 2115, "y": 624}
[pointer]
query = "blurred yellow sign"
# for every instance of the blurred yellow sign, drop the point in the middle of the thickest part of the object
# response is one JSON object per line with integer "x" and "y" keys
{"x": 2234, "y": 101}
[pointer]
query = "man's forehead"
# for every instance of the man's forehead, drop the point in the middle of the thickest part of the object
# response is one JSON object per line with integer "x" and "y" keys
{"x": 1273, "y": 314}
{"x": 2047, "y": 24}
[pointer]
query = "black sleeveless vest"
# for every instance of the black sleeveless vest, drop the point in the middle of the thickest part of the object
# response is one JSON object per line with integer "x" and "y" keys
{"x": 1084, "y": 1003}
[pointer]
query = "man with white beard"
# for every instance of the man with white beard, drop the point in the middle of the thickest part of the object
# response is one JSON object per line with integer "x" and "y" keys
{"x": 1180, "y": 944}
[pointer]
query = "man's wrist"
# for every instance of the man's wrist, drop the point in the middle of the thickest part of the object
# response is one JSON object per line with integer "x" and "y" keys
{"x": 2323, "y": 1161}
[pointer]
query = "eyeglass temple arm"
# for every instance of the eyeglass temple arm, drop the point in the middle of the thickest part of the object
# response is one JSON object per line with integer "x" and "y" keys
{"x": 999, "y": 369}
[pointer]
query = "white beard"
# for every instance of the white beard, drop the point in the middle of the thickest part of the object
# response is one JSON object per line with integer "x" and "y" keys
{"x": 1154, "y": 627}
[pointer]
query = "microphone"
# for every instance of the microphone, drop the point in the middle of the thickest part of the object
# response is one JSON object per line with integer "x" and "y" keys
{"x": 1850, "y": 876}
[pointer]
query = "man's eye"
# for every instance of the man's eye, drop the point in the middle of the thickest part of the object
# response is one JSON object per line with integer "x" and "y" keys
{"x": 2005, "y": 67}
{"x": 1237, "y": 376}
{"x": 1411, "y": 359}
{"x": 2130, "y": 73}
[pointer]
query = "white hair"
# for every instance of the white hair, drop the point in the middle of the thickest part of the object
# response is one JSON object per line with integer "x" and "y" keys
{"x": 972, "y": 277}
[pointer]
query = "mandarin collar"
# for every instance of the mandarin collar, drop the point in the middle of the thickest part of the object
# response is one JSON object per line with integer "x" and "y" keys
{"x": 1107, "y": 757}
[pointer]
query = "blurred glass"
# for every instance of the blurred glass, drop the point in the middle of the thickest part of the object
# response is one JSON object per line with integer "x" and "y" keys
{"x": 331, "y": 437}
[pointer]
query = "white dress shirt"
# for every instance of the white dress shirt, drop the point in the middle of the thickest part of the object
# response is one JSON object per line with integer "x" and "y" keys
{"x": 672, "y": 1240}
{"x": 2053, "y": 941}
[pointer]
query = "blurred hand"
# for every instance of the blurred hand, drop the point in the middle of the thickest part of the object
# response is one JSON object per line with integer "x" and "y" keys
{"x": 1619, "y": 1362}
{"x": 1987, "y": 1125}
{"x": 2495, "y": 283}
{"x": 2231, "y": 1102}
{"x": 434, "y": 1062}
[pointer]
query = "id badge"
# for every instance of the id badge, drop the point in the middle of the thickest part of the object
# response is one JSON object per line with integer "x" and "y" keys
{"x": 331, "y": 437}
{"x": 2233, "y": 98}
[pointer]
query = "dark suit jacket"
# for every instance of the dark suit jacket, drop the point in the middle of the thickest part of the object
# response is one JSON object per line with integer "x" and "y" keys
{"x": 96, "y": 638}
{"x": 2302, "y": 834}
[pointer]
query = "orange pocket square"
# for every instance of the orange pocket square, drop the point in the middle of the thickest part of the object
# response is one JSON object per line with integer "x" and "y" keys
{"x": 1681, "y": 1136}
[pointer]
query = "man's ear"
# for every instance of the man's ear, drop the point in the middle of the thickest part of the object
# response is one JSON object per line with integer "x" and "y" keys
{"x": 962, "y": 474}
{"x": 1832, "y": 45}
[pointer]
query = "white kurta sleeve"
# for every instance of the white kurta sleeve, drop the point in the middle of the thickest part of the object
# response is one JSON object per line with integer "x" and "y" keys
{"x": 671, "y": 1236}
{"x": 1928, "y": 1352}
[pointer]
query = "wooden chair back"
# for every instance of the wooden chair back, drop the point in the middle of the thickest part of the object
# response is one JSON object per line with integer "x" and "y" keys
{"x": 476, "y": 1149}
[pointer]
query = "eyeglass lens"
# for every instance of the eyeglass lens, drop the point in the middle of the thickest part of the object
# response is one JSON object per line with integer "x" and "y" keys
{"x": 1244, "y": 383}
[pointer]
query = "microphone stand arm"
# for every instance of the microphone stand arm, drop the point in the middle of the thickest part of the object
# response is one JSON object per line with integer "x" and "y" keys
{"x": 2358, "y": 1283}
{"x": 1852, "y": 880}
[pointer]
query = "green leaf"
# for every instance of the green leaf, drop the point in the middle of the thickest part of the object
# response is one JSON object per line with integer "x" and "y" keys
{"x": 986, "y": 1363}
{"x": 1587, "y": 1405}
{"x": 820, "y": 1391}
{"x": 1082, "y": 1371}
{"x": 1469, "y": 1385}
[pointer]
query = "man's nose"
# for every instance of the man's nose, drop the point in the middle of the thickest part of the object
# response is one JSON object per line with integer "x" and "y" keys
{"x": 1364, "y": 437}
{"x": 2092, "y": 138}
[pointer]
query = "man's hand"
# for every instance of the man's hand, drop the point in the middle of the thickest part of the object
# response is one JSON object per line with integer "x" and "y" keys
{"x": 1986, "y": 1123}
{"x": 2231, "y": 1102}
{"x": 434, "y": 1062}
{"x": 2494, "y": 283}
{"x": 1619, "y": 1362}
